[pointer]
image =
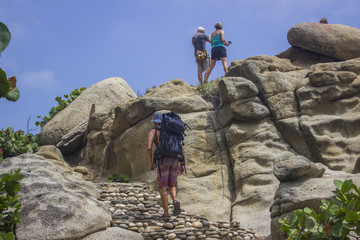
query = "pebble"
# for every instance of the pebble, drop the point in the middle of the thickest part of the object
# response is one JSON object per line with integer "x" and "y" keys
{"x": 197, "y": 225}
{"x": 171, "y": 236}
{"x": 135, "y": 208}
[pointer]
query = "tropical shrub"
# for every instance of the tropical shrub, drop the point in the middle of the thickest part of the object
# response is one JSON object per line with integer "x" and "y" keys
{"x": 62, "y": 104}
{"x": 15, "y": 143}
{"x": 8, "y": 87}
{"x": 119, "y": 178}
{"x": 337, "y": 219}
{"x": 9, "y": 203}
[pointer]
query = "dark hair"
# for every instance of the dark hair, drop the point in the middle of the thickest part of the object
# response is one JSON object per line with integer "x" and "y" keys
{"x": 218, "y": 25}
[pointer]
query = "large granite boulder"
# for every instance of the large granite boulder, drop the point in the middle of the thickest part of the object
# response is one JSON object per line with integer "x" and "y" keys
{"x": 56, "y": 203}
{"x": 332, "y": 40}
{"x": 278, "y": 123}
{"x": 106, "y": 95}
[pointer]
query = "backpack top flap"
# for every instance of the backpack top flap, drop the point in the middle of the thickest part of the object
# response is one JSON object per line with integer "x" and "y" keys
{"x": 172, "y": 132}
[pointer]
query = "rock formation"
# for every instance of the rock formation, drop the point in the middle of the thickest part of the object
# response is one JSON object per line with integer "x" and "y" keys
{"x": 56, "y": 203}
{"x": 333, "y": 40}
{"x": 105, "y": 95}
{"x": 286, "y": 125}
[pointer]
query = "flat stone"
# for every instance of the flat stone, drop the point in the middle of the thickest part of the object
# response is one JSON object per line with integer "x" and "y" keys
{"x": 197, "y": 224}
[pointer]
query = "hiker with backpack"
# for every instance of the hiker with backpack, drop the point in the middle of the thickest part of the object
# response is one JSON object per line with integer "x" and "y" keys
{"x": 168, "y": 159}
{"x": 202, "y": 58}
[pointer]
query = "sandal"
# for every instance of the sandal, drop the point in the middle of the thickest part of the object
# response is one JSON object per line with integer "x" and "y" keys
{"x": 164, "y": 217}
{"x": 176, "y": 208}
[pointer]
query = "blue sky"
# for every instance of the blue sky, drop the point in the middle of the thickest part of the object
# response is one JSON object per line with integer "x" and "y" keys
{"x": 60, "y": 45}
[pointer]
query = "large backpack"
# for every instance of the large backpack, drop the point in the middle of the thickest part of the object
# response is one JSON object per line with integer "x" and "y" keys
{"x": 172, "y": 135}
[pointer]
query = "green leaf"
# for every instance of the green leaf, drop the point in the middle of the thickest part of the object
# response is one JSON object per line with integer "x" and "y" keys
{"x": 347, "y": 185}
{"x": 4, "y": 83}
{"x": 5, "y": 36}
{"x": 307, "y": 210}
{"x": 337, "y": 230}
{"x": 293, "y": 219}
{"x": 281, "y": 221}
{"x": 338, "y": 184}
{"x": 352, "y": 217}
{"x": 13, "y": 95}
{"x": 310, "y": 224}
{"x": 6, "y": 236}
{"x": 334, "y": 209}
{"x": 325, "y": 203}
{"x": 12, "y": 188}
{"x": 285, "y": 228}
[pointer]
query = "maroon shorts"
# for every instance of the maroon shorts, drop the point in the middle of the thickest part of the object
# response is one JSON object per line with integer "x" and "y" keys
{"x": 169, "y": 168}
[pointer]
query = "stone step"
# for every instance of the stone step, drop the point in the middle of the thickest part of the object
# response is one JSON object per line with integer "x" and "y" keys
{"x": 134, "y": 207}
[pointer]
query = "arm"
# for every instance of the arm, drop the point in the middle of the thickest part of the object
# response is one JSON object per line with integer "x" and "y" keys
{"x": 151, "y": 138}
{"x": 223, "y": 39}
{"x": 182, "y": 166}
{"x": 210, "y": 40}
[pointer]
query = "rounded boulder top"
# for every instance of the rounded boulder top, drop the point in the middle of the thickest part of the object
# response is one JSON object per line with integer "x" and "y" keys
{"x": 333, "y": 40}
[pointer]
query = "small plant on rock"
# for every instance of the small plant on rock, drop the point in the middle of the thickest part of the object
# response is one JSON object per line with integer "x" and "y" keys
{"x": 119, "y": 178}
{"x": 210, "y": 91}
{"x": 337, "y": 219}
{"x": 62, "y": 104}
{"x": 15, "y": 143}
{"x": 9, "y": 203}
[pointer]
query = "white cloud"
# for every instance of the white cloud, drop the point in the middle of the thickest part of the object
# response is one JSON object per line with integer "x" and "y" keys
{"x": 43, "y": 78}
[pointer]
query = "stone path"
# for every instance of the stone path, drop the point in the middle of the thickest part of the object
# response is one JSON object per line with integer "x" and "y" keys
{"x": 135, "y": 208}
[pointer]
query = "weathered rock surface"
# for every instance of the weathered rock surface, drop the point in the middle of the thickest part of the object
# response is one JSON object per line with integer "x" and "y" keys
{"x": 74, "y": 140}
{"x": 106, "y": 95}
{"x": 114, "y": 234}
{"x": 56, "y": 203}
{"x": 332, "y": 40}
{"x": 276, "y": 121}
{"x": 282, "y": 123}
{"x": 304, "y": 58}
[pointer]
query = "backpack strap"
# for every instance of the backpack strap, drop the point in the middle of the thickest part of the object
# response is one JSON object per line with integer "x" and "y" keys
{"x": 157, "y": 137}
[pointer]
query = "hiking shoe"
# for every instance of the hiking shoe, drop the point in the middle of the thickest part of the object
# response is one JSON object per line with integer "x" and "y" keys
{"x": 176, "y": 208}
{"x": 164, "y": 217}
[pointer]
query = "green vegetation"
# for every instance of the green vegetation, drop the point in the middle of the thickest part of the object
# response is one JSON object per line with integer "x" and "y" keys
{"x": 10, "y": 143}
{"x": 15, "y": 143}
{"x": 119, "y": 178}
{"x": 337, "y": 219}
{"x": 210, "y": 91}
{"x": 61, "y": 105}
{"x": 9, "y": 203}
{"x": 8, "y": 87}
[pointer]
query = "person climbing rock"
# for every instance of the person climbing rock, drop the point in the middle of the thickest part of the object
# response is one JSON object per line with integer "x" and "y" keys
{"x": 169, "y": 168}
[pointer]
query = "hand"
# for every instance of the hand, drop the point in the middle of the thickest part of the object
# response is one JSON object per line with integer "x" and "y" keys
{"x": 182, "y": 170}
{"x": 152, "y": 167}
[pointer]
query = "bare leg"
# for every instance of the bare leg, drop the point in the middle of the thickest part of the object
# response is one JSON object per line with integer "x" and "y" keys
{"x": 164, "y": 200}
{"x": 200, "y": 77}
{"x": 224, "y": 63}
{"x": 207, "y": 73}
{"x": 172, "y": 191}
